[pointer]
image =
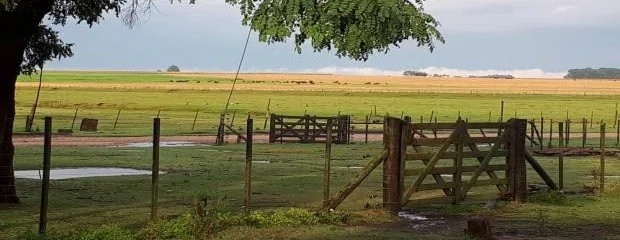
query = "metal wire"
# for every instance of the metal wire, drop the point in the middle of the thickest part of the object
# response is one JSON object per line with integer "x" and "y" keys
{"x": 238, "y": 69}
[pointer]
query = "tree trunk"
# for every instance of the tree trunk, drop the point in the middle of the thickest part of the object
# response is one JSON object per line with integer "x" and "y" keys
{"x": 16, "y": 28}
{"x": 7, "y": 116}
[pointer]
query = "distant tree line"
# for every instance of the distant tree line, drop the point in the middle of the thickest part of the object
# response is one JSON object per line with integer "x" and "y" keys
{"x": 415, "y": 73}
{"x": 496, "y": 76}
{"x": 589, "y": 73}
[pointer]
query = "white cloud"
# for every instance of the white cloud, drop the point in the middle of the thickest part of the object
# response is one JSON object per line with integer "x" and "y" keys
{"x": 369, "y": 71}
{"x": 519, "y": 73}
{"x": 514, "y": 15}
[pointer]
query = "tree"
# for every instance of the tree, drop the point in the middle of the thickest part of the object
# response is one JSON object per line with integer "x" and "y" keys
{"x": 173, "y": 68}
{"x": 353, "y": 29}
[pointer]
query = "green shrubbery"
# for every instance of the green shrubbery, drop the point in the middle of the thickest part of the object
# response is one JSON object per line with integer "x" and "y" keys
{"x": 548, "y": 197}
{"x": 201, "y": 225}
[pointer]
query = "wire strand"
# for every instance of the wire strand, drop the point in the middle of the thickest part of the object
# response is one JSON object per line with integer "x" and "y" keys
{"x": 245, "y": 48}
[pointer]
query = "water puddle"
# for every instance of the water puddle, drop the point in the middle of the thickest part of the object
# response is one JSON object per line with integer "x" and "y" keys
{"x": 68, "y": 173}
{"x": 266, "y": 162}
{"x": 163, "y": 144}
{"x": 350, "y": 167}
{"x": 418, "y": 221}
{"x": 412, "y": 216}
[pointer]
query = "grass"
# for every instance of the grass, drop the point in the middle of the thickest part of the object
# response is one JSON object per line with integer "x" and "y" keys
{"x": 294, "y": 176}
{"x": 178, "y": 107}
{"x": 293, "y": 179}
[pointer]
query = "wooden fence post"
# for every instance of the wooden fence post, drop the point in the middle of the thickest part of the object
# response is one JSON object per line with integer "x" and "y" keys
{"x": 568, "y": 130}
{"x": 366, "y": 131}
{"x": 220, "y": 131}
{"x": 550, "y": 133}
{"x": 584, "y": 131}
{"x": 195, "y": 118}
{"x": 542, "y": 132}
{"x": 155, "y": 169}
{"x": 74, "y": 117}
{"x": 248, "y": 163}
{"x": 328, "y": 158}
{"x": 602, "y": 172}
{"x": 501, "y": 114}
{"x": 616, "y": 115}
{"x": 391, "y": 167}
{"x": 118, "y": 114}
{"x": 47, "y": 153}
{"x": 517, "y": 177}
{"x": 617, "y": 132}
{"x": 561, "y": 157}
{"x": 532, "y": 123}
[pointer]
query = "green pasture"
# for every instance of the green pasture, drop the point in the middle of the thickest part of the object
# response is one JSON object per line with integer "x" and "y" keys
{"x": 293, "y": 178}
{"x": 293, "y": 175}
{"x": 113, "y": 77}
{"x": 178, "y": 108}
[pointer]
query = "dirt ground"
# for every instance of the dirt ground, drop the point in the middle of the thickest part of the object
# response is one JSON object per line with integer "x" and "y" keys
{"x": 68, "y": 140}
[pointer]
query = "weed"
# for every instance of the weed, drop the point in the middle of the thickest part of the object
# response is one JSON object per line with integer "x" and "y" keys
{"x": 541, "y": 222}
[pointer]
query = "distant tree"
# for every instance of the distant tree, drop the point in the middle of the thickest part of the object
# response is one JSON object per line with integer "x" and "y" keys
{"x": 353, "y": 29}
{"x": 589, "y": 73}
{"x": 415, "y": 73}
{"x": 173, "y": 68}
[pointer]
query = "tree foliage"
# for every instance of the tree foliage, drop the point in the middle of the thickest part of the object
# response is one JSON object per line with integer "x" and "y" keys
{"x": 354, "y": 28}
{"x": 590, "y": 73}
{"x": 173, "y": 68}
{"x": 43, "y": 46}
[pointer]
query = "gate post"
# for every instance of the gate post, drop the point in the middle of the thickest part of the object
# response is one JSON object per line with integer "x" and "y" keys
{"x": 392, "y": 165}
{"x": 516, "y": 175}
{"x": 272, "y": 128}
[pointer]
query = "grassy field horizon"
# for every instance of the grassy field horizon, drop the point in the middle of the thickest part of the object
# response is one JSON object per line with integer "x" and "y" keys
{"x": 178, "y": 97}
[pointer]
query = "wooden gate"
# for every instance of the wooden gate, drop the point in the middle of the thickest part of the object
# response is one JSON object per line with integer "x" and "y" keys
{"x": 308, "y": 129}
{"x": 459, "y": 157}
{"x": 464, "y": 158}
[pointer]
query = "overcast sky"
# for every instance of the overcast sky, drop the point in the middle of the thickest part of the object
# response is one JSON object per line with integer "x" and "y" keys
{"x": 526, "y": 38}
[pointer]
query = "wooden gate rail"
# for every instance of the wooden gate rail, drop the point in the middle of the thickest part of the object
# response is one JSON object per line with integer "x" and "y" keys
{"x": 308, "y": 129}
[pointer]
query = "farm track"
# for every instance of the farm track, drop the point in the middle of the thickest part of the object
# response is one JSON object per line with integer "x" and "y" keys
{"x": 67, "y": 140}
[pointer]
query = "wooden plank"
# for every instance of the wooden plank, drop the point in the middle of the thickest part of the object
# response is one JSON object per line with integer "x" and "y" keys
{"x": 458, "y": 165}
{"x": 430, "y": 165}
{"x": 540, "y": 170}
{"x": 438, "y": 178}
{"x": 451, "y": 169}
{"x": 483, "y": 165}
{"x": 235, "y": 132}
{"x": 451, "y": 155}
{"x": 436, "y": 142}
{"x": 470, "y": 125}
{"x": 491, "y": 174}
{"x": 348, "y": 189}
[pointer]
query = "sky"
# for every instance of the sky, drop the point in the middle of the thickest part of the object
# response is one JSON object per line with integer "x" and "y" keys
{"x": 525, "y": 38}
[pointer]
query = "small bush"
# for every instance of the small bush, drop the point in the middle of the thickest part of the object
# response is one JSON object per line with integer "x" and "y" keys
{"x": 548, "y": 197}
{"x": 173, "y": 68}
{"x": 178, "y": 228}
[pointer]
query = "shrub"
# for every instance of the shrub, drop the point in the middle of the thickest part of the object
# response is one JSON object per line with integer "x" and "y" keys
{"x": 173, "y": 68}
{"x": 548, "y": 197}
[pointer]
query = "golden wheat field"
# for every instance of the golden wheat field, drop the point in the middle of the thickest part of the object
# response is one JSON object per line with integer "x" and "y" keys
{"x": 350, "y": 83}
